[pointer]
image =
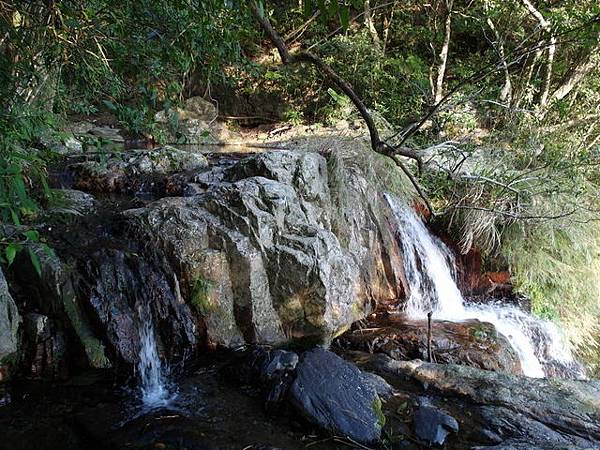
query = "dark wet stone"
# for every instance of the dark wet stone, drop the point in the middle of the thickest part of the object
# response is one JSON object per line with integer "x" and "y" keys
{"x": 280, "y": 362}
{"x": 337, "y": 396}
{"x": 121, "y": 283}
{"x": 270, "y": 370}
{"x": 44, "y": 352}
{"x": 56, "y": 296}
{"x": 433, "y": 425}
{"x": 5, "y": 397}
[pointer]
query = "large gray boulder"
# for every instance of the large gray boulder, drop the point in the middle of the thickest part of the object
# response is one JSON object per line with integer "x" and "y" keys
{"x": 195, "y": 121}
{"x": 9, "y": 326}
{"x": 262, "y": 254}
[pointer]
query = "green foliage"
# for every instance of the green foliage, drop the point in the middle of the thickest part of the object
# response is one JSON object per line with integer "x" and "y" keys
{"x": 396, "y": 86}
{"x": 557, "y": 265}
{"x": 294, "y": 116}
{"x": 23, "y": 241}
{"x": 23, "y": 163}
{"x": 138, "y": 56}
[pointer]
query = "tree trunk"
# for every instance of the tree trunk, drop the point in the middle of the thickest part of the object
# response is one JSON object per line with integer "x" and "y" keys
{"x": 377, "y": 144}
{"x": 370, "y": 24}
{"x": 506, "y": 92}
{"x": 547, "y": 27}
{"x": 438, "y": 88}
{"x": 577, "y": 74}
{"x": 387, "y": 24}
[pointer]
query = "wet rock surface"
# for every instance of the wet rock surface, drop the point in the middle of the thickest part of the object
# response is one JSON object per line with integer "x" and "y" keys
{"x": 472, "y": 343}
{"x": 89, "y": 412}
{"x": 423, "y": 406}
{"x": 43, "y": 350}
{"x": 337, "y": 396}
{"x": 61, "y": 333}
{"x": 271, "y": 370}
{"x": 498, "y": 409}
{"x": 120, "y": 283}
{"x": 432, "y": 425}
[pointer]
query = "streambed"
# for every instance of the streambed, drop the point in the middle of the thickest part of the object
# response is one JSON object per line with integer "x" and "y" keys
{"x": 94, "y": 411}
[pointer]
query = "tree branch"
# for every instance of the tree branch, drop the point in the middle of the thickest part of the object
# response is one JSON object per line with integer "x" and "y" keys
{"x": 377, "y": 144}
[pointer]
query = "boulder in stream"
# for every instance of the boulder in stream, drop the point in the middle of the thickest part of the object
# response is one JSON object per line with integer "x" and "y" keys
{"x": 338, "y": 397}
{"x": 432, "y": 425}
{"x": 195, "y": 121}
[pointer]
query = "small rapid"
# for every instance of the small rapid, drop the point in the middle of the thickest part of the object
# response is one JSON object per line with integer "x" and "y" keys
{"x": 430, "y": 273}
{"x": 155, "y": 389}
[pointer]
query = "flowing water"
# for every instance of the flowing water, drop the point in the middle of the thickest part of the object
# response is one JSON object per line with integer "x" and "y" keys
{"x": 430, "y": 272}
{"x": 155, "y": 389}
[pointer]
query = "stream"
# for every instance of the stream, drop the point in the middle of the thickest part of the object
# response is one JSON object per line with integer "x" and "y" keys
{"x": 431, "y": 272}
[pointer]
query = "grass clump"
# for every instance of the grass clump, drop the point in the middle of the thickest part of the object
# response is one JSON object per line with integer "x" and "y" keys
{"x": 558, "y": 266}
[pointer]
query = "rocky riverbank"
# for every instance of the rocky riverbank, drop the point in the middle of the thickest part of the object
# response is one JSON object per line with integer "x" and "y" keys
{"x": 257, "y": 261}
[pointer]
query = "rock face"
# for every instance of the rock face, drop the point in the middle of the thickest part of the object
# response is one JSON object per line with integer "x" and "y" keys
{"x": 337, "y": 396}
{"x": 263, "y": 249}
{"x": 44, "y": 348}
{"x": 121, "y": 285}
{"x": 262, "y": 257}
{"x": 60, "y": 311}
{"x": 471, "y": 343}
{"x": 500, "y": 410}
{"x": 9, "y": 326}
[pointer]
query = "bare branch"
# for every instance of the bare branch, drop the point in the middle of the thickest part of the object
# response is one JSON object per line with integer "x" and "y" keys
{"x": 377, "y": 144}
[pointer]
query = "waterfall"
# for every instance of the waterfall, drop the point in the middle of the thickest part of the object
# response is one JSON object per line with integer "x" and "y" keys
{"x": 430, "y": 273}
{"x": 154, "y": 389}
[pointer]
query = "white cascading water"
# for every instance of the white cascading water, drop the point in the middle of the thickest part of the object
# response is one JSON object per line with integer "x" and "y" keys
{"x": 430, "y": 271}
{"x": 155, "y": 392}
